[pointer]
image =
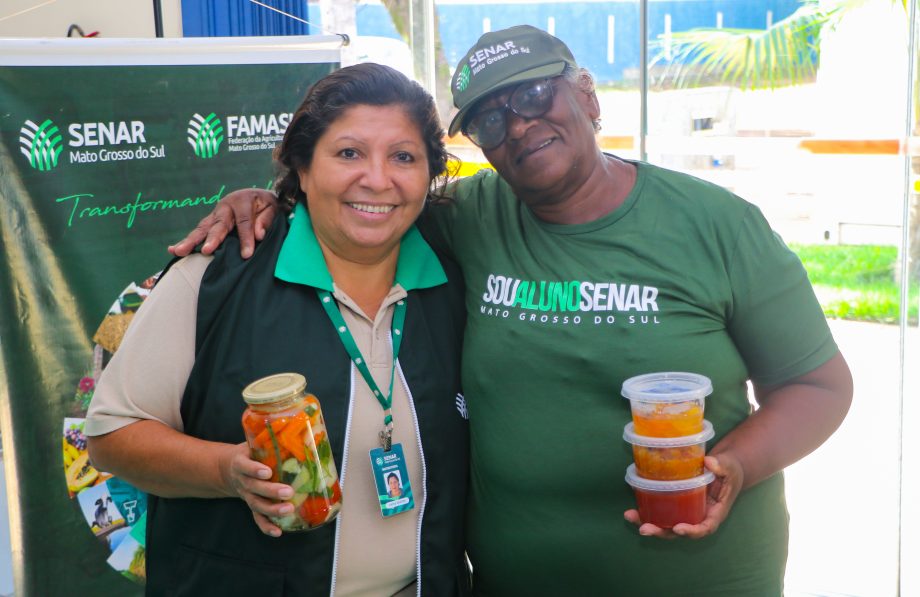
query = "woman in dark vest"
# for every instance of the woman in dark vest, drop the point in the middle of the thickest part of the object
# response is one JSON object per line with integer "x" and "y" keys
{"x": 359, "y": 158}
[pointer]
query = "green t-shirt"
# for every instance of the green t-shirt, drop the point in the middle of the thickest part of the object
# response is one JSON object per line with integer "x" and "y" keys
{"x": 684, "y": 276}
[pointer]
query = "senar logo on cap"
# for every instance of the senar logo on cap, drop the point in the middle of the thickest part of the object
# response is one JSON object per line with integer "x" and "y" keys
{"x": 463, "y": 78}
{"x": 502, "y": 58}
{"x": 485, "y": 56}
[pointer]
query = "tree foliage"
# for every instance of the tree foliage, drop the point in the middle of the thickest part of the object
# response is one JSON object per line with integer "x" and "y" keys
{"x": 787, "y": 53}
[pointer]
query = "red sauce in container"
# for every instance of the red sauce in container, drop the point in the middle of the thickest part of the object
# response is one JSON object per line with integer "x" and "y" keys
{"x": 666, "y": 503}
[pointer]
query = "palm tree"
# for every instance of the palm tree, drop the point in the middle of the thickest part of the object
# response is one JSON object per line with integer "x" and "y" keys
{"x": 787, "y": 53}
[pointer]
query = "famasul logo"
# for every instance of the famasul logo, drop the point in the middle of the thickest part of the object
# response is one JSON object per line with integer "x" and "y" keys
{"x": 41, "y": 144}
{"x": 205, "y": 134}
{"x": 463, "y": 79}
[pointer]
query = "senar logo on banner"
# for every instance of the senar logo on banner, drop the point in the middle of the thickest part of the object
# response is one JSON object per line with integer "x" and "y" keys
{"x": 116, "y": 141}
{"x": 244, "y": 132}
{"x": 41, "y": 144}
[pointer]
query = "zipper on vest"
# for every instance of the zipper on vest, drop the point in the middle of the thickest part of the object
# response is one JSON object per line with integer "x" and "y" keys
{"x": 342, "y": 472}
{"x": 421, "y": 512}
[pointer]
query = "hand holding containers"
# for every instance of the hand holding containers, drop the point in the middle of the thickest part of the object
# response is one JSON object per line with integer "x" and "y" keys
{"x": 668, "y": 434}
{"x": 285, "y": 431}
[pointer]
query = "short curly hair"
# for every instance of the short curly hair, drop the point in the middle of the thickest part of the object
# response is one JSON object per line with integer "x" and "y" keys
{"x": 366, "y": 84}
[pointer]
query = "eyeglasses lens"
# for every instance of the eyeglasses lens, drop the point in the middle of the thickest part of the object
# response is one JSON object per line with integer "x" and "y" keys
{"x": 529, "y": 100}
{"x": 533, "y": 100}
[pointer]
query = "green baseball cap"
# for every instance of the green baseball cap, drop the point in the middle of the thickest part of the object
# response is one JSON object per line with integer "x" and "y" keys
{"x": 504, "y": 57}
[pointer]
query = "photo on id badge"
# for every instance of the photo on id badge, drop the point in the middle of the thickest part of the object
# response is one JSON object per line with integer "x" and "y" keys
{"x": 393, "y": 489}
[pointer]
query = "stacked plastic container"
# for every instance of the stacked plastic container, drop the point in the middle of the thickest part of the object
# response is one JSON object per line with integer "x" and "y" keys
{"x": 668, "y": 435}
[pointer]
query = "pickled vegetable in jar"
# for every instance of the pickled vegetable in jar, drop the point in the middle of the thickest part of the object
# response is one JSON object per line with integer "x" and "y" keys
{"x": 285, "y": 431}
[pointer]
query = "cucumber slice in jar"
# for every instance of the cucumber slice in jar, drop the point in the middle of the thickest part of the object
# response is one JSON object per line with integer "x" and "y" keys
{"x": 324, "y": 451}
{"x": 289, "y": 471}
{"x": 309, "y": 479}
{"x": 291, "y": 521}
{"x": 303, "y": 481}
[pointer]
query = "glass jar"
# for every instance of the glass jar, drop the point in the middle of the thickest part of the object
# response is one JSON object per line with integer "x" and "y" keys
{"x": 285, "y": 431}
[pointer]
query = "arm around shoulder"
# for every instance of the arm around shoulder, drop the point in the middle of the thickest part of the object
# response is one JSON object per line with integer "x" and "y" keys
{"x": 250, "y": 211}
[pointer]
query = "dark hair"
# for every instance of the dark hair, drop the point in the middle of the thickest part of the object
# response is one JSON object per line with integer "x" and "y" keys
{"x": 366, "y": 84}
{"x": 392, "y": 476}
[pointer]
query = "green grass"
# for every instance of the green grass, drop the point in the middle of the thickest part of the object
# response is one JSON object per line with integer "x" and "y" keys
{"x": 857, "y": 281}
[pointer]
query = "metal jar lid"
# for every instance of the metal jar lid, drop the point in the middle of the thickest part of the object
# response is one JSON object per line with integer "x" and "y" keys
{"x": 274, "y": 388}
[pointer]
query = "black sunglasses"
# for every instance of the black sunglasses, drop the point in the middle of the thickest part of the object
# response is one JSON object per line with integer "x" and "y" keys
{"x": 530, "y": 99}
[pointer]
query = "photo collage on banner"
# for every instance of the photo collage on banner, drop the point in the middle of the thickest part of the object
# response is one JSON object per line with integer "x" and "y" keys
{"x": 114, "y": 510}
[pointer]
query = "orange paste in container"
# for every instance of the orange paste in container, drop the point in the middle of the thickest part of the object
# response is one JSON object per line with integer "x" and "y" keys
{"x": 669, "y": 458}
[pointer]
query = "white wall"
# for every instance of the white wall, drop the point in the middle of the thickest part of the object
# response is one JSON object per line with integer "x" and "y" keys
{"x": 111, "y": 18}
{"x": 862, "y": 83}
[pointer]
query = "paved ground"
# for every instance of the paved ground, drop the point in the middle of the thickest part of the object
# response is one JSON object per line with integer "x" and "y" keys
{"x": 844, "y": 498}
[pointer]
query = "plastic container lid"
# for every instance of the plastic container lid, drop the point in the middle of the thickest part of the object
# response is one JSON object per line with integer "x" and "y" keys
{"x": 667, "y": 386}
{"x": 630, "y": 435}
{"x": 274, "y": 388}
{"x": 633, "y": 478}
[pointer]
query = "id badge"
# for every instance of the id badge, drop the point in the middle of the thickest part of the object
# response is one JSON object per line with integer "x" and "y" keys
{"x": 392, "y": 480}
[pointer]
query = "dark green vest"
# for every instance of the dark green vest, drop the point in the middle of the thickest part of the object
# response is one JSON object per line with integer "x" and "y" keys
{"x": 251, "y": 324}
